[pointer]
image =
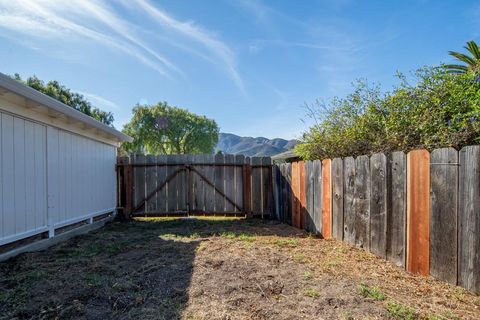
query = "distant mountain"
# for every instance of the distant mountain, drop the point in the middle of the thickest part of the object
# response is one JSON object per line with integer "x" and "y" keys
{"x": 232, "y": 144}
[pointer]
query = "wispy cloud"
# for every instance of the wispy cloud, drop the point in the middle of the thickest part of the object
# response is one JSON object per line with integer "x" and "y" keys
{"x": 265, "y": 14}
{"x": 100, "y": 102}
{"x": 198, "y": 34}
{"x": 98, "y": 22}
{"x": 50, "y": 18}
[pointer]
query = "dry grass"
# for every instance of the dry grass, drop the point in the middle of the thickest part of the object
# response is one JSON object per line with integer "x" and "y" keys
{"x": 218, "y": 269}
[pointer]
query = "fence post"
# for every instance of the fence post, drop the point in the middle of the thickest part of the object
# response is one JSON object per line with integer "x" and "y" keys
{"x": 418, "y": 212}
{"x": 326, "y": 199}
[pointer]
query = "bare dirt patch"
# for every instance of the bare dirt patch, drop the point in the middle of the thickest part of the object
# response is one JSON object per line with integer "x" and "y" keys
{"x": 218, "y": 269}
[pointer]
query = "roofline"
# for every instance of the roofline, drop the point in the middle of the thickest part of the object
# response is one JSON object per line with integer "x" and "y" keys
{"x": 36, "y": 96}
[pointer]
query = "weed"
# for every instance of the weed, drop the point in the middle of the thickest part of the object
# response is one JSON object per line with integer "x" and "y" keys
{"x": 97, "y": 248}
{"x": 460, "y": 294}
{"x": 246, "y": 237}
{"x": 308, "y": 275}
{"x": 333, "y": 263}
{"x": 168, "y": 236}
{"x": 401, "y": 312}
{"x": 286, "y": 243}
{"x": 312, "y": 293}
{"x": 248, "y": 245}
{"x": 300, "y": 258}
{"x": 227, "y": 234}
{"x": 447, "y": 315}
{"x": 371, "y": 292}
{"x": 241, "y": 237}
{"x": 477, "y": 302}
{"x": 93, "y": 279}
{"x": 200, "y": 247}
{"x": 347, "y": 315}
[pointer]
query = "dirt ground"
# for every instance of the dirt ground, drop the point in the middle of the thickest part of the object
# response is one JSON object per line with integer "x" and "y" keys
{"x": 218, "y": 269}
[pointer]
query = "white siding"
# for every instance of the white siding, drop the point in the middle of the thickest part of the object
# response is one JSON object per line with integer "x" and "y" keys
{"x": 50, "y": 178}
{"x": 22, "y": 178}
{"x": 81, "y": 177}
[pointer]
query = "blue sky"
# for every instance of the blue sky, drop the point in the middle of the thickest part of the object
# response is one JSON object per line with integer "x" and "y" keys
{"x": 250, "y": 65}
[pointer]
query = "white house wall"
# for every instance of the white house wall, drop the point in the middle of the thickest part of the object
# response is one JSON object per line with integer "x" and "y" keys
{"x": 81, "y": 177}
{"x": 50, "y": 178}
{"x": 23, "y": 208}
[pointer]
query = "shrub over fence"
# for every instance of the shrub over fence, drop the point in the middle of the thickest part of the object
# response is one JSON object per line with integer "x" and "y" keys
{"x": 440, "y": 110}
{"x": 419, "y": 210}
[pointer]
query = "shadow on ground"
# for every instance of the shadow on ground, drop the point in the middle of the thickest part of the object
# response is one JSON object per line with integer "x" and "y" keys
{"x": 140, "y": 269}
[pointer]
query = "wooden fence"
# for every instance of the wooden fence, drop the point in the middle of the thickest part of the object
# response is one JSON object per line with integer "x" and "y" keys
{"x": 195, "y": 184}
{"x": 419, "y": 210}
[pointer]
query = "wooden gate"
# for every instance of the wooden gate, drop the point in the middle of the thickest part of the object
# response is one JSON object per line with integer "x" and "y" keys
{"x": 195, "y": 185}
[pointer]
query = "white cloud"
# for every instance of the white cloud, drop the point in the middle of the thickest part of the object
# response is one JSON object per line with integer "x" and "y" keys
{"x": 100, "y": 102}
{"x": 48, "y": 17}
{"x": 194, "y": 32}
{"x": 98, "y": 22}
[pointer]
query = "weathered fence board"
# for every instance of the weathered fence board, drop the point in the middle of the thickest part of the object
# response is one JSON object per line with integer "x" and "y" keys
{"x": 378, "y": 205}
{"x": 337, "y": 198}
{"x": 161, "y": 197}
{"x": 396, "y": 207}
{"x": 257, "y": 197}
{"x": 281, "y": 191}
{"x": 209, "y": 173}
{"x": 418, "y": 212}
{"x": 287, "y": 192}
{"x": 443, "y": 214}
{"x": 219, "y": 182}
{"x": 172, "y": 186}
{"x": 296, "y": 195}
{"x": 469, "y": 219}
{"x": 247, "y": 187}
{"x": 267, "y": 190}
{"x": 182, "y": 184}
{"x": 326, "y": 199}
{"x": 317, "y": 199}
{"x": 151, "y": 183}
{"x": 139, "y": 182}
{"x": 229, "y": 182}
{"x": 240, "y": 160}
{"x": 349, "y": 200}
{"x": 362, "y": 202}
{"x": 310, "y": 197}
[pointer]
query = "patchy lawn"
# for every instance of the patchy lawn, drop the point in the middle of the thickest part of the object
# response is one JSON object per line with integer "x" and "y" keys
{"x": 218, "y": 269}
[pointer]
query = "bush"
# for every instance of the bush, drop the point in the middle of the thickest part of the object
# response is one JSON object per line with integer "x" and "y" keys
{"x": 440, "y": 110}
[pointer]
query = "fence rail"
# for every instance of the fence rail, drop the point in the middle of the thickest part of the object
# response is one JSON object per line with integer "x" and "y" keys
{"x": 419, "y": 210}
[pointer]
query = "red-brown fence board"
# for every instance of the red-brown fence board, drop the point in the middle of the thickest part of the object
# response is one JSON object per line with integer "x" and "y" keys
{"x": 295, "y": 195}
{"x": 302, "y": 195}
{"x": 418, "y": 212}
{"x": 327, "y": 198}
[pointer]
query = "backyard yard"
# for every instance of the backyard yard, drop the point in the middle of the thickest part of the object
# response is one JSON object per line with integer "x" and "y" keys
{"x": 218, "y": 268}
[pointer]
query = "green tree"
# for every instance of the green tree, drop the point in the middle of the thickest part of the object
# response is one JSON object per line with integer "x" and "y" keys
{"x": 163, "y": 129}
{"x": 61, "y": 93}
{"x": 471, "y": 61}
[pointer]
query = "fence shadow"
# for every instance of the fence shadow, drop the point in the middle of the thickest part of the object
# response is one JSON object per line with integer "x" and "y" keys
{"x": 200, "y": 227}
{"x": 125, "y": 270}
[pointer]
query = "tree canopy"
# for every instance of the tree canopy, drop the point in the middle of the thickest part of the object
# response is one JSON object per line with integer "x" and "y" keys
{"x": 164, "y": 129}
{"x": 471, "y": 61}
{"x": 61, "y": 93}
{"x": 440, "y": 110}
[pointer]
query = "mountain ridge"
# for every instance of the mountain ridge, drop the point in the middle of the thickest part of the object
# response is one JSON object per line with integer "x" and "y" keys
{"x": 230, "y": 143}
